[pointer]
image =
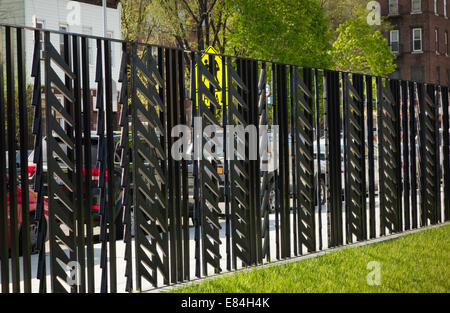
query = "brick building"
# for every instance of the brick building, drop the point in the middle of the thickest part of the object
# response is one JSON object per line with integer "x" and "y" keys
{"x": 420, "y": 38}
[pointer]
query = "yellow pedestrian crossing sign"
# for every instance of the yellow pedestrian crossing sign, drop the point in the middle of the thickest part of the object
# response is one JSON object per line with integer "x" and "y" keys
{"x": 217, "y": 71}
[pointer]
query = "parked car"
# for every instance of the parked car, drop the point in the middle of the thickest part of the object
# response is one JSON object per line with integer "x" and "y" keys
{"x": 33, "y": 229}
{"x": 17, "y": 161}
{"x": 95, "y": 172}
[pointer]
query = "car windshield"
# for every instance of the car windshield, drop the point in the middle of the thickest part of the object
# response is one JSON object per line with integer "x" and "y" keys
{"x": 94, "y": 145}
{"x": 17, "y": 159}
{"x": 94, "y": 151}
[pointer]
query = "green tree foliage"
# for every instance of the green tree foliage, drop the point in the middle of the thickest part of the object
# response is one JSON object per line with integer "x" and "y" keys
{"x": 339, "y": 11}
{"x": 29, "y": 108}
{"x": 362, "y": 48}
{"x": 189, "y": 24}
{"x": 287, "y": 31}
{"x": 295, "y": 32}
{"x": 136, "y": 22}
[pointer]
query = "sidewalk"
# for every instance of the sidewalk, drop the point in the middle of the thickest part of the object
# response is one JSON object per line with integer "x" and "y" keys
{"x": 120, "y": 250}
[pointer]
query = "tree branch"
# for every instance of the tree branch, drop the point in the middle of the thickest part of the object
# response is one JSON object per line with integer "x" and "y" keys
{"x": 190, "y": 11}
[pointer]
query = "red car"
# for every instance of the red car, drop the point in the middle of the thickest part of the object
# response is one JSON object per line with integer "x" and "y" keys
{"x": 32, "y": 197}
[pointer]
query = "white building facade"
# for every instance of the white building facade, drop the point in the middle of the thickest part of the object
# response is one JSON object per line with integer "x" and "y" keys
{"x": 83, "y": 17}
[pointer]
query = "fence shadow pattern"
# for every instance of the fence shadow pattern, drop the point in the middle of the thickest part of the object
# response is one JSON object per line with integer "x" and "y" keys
{"x": 359, "y": 157}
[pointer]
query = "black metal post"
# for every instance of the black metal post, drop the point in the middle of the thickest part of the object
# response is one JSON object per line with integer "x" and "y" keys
{"x": 12, "y": 170}
{"x": 79, "y": 195}
{"x": 413, "y": 144}
{"x": 319, "y": 170}
{"x": 4, "y": 212}
{"x": 406, "y": 149}
{"x": 334, "y": 157}
{"x": 371, "y": 155}
{"x": 381, "y": 191}
{"x": 86, "y": 115}
{"x": 23, "y": 130}
{"x": 292, "y": 178}
{"x": 446, "y": 152}
{"x": 275, "y": 121}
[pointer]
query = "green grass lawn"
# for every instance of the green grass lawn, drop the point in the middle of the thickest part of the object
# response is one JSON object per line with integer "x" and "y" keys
{"x": 418, "y": 262}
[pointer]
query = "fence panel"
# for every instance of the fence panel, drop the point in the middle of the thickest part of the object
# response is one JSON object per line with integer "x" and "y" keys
{"x": 304, "y": 158}
{"x": 149, "y": 170}
{"x": 133, "y": 203}
{"x": 334, "y": 159}
{"x": 429, "y": 155}
{"x": 355, "y": 179}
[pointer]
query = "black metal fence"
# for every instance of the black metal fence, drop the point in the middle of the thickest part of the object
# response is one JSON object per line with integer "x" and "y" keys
{"x": 110, "y": 210}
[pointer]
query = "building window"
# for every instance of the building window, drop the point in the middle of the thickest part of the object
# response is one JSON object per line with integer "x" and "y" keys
{"x": 417, "y": 39}
{"x": 446, "y": 42}
{"x": 417, "y": 73}
{"x": 436, "y": 40}
{"x": 109, "y": 34}
{"x": 63, "y": 28}
{"x": 396, "y": 75}
{"x": 94, "y": 103}
{"x": 91, "y": 42}
{"x": 416, "y": 6}
{"x": 394, "y": 39}
{"x": 445, "y": 8}
{"x": 393, "y": 7}
{"x": 435, "y": 7}
{"x": 40, "y": 24}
